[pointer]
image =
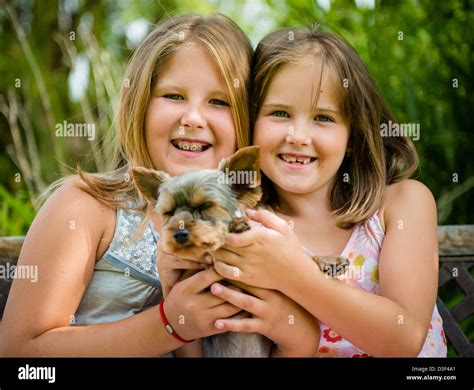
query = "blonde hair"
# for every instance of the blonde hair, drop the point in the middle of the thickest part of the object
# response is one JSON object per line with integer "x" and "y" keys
{"x": 375, "y": 161}
{"x": 228, "y": 46}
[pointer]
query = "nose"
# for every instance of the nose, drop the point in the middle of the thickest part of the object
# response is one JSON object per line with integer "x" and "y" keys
{"x": 181, "y": 236}
{"x": 298, "y": 136}
{"x": 193, "y": 118}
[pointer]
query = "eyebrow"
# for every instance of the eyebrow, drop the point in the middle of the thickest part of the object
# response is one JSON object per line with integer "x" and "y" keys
{"x": 168, "y": 86}
{"x": 285, "y": 106}
{"x": 178, "y": 88}
{"x": 328, "y": 110}
{"x": 276, "y": 105}
{"x": 221, "y": 94}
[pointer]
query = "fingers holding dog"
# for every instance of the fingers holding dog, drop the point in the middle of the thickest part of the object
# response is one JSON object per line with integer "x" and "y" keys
{"x": 192, "y": 311}
{"x": 244, "y": 301}
{"x": 225, "y": 310}
{"x": 244, "y": 325}
{"x": 228, "y": 271}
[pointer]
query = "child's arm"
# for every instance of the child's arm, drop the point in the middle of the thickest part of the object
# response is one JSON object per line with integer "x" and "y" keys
{"x": 62, "y": 242}
{"x": 172, "y": 270}
{"x": 193, "y": 349}
{"x": 395, "y": 323}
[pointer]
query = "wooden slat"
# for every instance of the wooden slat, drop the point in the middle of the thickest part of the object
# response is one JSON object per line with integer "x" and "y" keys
{"x": 456, "y": 240}
{"x": 454, "y": 333}
{"x": 464, "y": 309}
{"x": 10, "y": 248}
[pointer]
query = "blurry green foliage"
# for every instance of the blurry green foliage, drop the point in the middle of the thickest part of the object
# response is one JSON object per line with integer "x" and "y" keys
{"x": 419, "y": 52}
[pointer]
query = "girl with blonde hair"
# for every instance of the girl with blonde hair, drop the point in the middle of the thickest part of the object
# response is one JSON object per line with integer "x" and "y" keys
{"x": 185, "y": 106}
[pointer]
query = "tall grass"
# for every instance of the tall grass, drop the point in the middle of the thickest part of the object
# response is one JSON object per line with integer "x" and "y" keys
{"x": 32, "y": 132}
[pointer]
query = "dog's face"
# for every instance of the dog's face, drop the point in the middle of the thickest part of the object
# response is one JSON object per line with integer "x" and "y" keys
{"x": 197, "y": 207}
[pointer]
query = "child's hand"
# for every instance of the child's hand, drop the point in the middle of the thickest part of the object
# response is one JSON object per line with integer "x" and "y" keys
{"x": 171, "y": 268}
{"x": 192, "y": 310}
{"x": 293, "y": 329}
{"x": 263, "y": 256}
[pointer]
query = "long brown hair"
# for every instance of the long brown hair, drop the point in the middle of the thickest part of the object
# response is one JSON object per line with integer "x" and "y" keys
{"x": 228, "y": 46}
{"x": 374, "y": 161}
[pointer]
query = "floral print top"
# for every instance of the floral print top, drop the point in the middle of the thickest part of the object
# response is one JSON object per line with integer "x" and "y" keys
{"x": 363, "y": 250}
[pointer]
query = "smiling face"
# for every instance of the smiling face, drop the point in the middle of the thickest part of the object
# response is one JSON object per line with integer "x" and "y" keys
{"x": 302, "y": 144}
{"x": 188, "y": 123}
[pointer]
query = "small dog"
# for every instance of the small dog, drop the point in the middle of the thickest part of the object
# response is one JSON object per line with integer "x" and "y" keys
{"x": 199, "y": 209}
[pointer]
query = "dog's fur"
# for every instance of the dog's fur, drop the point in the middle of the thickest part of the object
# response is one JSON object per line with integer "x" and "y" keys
{"x": 206, "y": 205}
{"x": 199, "y": 209}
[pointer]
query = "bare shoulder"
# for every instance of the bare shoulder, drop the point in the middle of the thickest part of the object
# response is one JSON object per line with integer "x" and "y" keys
{"x": 63, "y": 243}
{"x": 73, "y": 214}
{"x": 72, "y": 207}
{"x": 406, "y": 197}
{"x": 71, "y": 194}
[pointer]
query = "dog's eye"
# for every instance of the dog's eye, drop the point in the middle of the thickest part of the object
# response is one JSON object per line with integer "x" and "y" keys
{"x": 169, "y": 213}
{"x": 204, "y": 206}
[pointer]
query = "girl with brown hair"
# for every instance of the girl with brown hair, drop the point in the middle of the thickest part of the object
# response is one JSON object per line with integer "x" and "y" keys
{"x": 339, "y": 188}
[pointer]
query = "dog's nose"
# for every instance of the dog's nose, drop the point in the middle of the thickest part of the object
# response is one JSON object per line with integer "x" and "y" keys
{"x": 181, "y": 236}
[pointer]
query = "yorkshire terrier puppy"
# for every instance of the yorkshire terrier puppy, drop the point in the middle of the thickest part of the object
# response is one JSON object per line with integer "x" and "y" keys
{"x": 199, "y": 209}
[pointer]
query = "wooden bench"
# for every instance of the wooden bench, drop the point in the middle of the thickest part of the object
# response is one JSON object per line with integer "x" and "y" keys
{"x": 456, "y": 246}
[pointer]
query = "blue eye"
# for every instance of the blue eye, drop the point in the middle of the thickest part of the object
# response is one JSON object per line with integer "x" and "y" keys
{"x": 173, "y": 96}
{"x": 323, "y": 118}
{"x": 219, "y": 102}
{"x": 280, "y": 114}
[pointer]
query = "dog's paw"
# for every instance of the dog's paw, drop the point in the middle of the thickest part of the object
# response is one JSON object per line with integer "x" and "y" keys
{"x": 332, "y": 266}
{"x": 238, "y": 225}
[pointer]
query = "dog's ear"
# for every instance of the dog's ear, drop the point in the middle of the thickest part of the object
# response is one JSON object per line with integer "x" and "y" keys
{"x": 148, "y": 182}
{"x": 242, "y": 172}
{"x": 244, "y": 160}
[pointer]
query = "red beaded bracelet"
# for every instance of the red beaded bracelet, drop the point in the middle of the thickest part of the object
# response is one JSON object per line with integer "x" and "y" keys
{"x": 168, "y": 326}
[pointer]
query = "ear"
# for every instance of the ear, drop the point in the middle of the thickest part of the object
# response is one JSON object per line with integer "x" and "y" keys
{"x": 148, "y": 182}
{"x": 242, "y": 171}
{"x": 244, "y": 160}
